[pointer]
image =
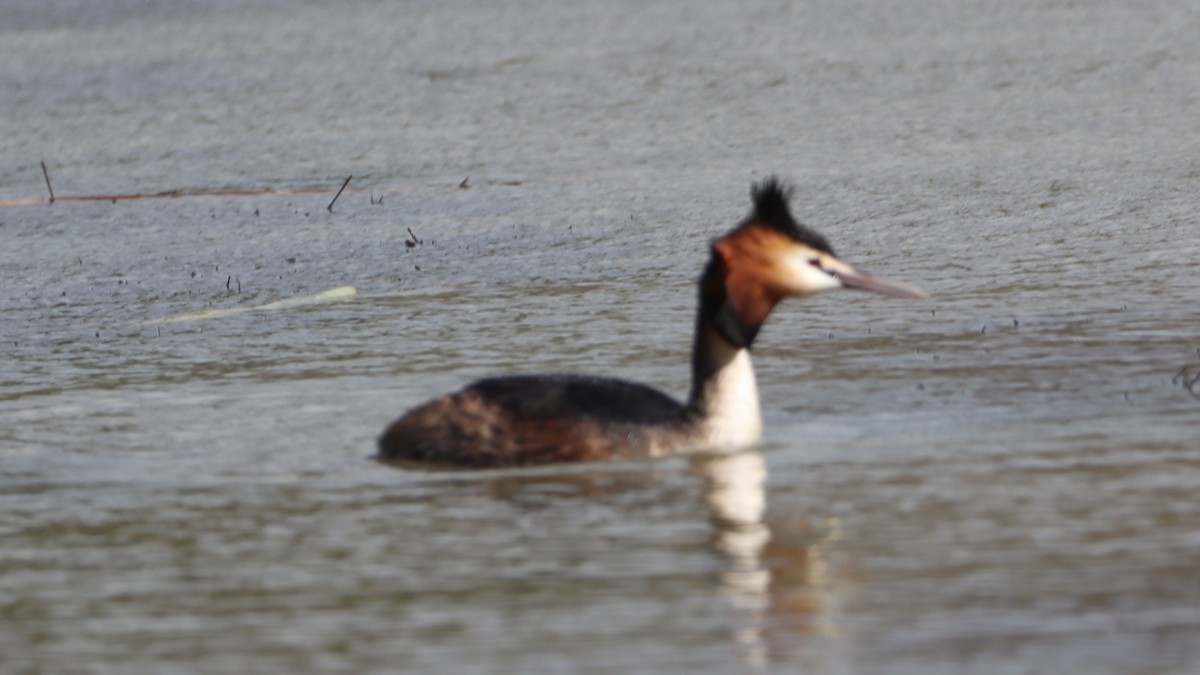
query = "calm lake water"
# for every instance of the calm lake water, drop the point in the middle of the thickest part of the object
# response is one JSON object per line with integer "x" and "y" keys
{"x": 1000, "y": 479}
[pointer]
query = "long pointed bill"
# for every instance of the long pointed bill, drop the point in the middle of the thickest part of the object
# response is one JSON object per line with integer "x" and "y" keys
{"x": 852, "y": 278}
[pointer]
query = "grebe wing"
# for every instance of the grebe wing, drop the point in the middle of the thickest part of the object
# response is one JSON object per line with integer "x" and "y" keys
{"x": 602, "y": 399}
{"x": 532, "y": 419}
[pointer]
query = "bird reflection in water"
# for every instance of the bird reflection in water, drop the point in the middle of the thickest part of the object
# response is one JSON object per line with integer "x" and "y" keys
{"x": 777, "y": 577}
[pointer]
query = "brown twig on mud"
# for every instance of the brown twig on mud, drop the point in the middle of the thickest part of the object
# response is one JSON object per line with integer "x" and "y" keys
{"x": 46, "y": 175}
{"x": 166, "y": 194}
{"x": 339, "y": 193}
{"x": 410, "y": 243}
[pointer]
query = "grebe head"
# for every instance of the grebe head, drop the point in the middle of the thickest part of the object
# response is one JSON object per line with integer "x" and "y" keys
{"x": 770, "y": 256}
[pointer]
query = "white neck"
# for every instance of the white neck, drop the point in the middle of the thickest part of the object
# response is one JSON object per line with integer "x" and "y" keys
{"x": 727, "y": 399}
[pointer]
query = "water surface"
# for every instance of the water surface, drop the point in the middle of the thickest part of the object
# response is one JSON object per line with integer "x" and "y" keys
{"x": 998, "y": 479}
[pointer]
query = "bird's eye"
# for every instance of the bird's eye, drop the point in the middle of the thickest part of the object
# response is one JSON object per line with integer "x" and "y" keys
{"x": 816, "y": 263}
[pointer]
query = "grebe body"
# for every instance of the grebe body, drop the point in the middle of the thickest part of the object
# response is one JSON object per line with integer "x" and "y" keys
{"x": 542, "y": 419}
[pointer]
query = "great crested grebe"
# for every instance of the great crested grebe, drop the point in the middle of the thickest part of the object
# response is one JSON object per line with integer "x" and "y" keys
{"x": 541, "y": 419}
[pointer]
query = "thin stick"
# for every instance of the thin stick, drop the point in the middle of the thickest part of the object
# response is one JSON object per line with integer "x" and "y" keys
{"x": 339, "y": 194}
{"x": 46, "y": 175}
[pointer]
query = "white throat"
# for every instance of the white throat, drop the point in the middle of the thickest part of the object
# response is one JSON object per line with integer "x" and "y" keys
{"x": 729, "y": 401}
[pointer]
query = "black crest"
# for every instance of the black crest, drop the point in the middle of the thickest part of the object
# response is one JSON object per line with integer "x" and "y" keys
{"x": 771, "y": 208}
